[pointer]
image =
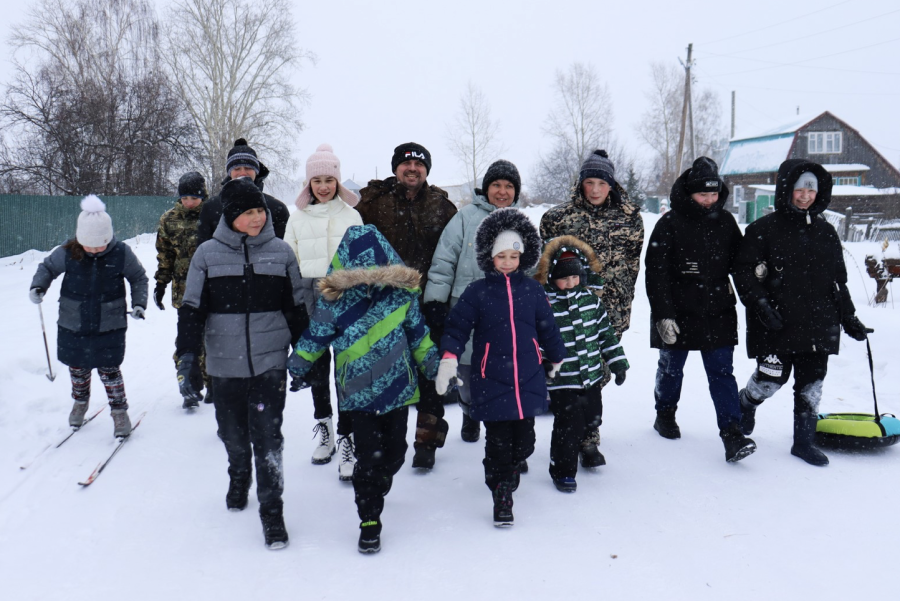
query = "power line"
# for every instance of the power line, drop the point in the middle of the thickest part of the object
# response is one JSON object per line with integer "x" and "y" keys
{"x": 818, "y": 33}
{"x": 778, "y": 24}
{"x": 818, "y": 92}
{"x": 794, "y": 64}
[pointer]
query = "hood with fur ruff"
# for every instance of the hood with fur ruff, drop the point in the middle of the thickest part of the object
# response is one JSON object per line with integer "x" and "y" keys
{"x": 555, "y": 247}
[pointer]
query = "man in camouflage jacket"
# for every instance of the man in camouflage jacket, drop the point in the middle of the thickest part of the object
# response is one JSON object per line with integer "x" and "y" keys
{"x": 601, "y": 214}
{"x": 176, "y": 242}
{"x": 412, "y": 215}
{"x": 176, "y": 239}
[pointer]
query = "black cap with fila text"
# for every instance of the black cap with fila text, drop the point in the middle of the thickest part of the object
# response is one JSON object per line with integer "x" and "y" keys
{"x": 410, "y": 151}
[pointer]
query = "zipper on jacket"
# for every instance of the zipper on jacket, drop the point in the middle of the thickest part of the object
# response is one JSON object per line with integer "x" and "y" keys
{"x": 487, "y": 348}
{"x": 248, "y": 274}
{"x": 512, "y": 324}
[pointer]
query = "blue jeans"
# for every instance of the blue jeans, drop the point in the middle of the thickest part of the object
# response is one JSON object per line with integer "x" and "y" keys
{"x": 719, "y": 372}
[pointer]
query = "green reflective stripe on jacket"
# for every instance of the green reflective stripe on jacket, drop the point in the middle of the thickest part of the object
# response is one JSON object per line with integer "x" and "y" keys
{"x": 378, "y": 331}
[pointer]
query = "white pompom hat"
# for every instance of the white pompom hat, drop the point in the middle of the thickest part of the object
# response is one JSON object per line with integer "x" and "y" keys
{"x": 323, "y": 162}
{"x": 94, "y": 225}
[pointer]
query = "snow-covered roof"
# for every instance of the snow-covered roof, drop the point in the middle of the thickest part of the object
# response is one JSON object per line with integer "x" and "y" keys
{"x": 789, "y": 127}
{"x": 840, "y": 190}
{"x": 759, "y": 155}
{"x": 845, "y": 167}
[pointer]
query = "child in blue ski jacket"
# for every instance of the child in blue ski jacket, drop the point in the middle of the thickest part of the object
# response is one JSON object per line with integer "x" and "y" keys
{"x": 369, "y": 313}
{"x": 513, "y": 321}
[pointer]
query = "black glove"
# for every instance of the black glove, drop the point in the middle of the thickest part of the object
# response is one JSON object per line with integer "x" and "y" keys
{"x": 768, "y": 315}
{"x": 158, "y": 295}
{"x": 435, "y": 314}
{"x": 186, "y": 374}
{"x": 855, "y": 328}
{"x": 620, "y": 378}
{"x": 298, "y": 383}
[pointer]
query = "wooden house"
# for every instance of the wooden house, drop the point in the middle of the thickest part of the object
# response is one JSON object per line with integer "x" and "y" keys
{"x": 863, "y": 178}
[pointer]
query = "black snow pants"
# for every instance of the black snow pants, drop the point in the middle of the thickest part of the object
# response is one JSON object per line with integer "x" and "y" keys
{"x": 575, "y": 412}
{"x": 380, "y": 442}
{"x": 773, "y": 371}
{"x": 319, "y": 379}
{"x": 506, "y": 445}
{"x": 249, "y": 413}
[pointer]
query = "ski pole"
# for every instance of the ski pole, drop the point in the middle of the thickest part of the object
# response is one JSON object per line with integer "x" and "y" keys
{"x": 50, "y": 376}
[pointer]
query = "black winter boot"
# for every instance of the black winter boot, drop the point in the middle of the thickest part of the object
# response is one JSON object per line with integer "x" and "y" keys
{"x": 370, "y": 536}
{"x": 748, "y": 412}
{"x": 665, "y": 424}
{"x": 503, "y": 503}
{"x": 804, "y": 435}
{"x": 737, "y": 446}
{"x": 590, "y": 451}
{"x": 273, "y": 529}
{"x": 471, "y": 429}
{"x": 238, "y": 490}
{"x": 424, "y": 457}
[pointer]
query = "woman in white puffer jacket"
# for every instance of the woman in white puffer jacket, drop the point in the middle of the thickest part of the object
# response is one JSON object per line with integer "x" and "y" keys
{"x": 314, "y": 231}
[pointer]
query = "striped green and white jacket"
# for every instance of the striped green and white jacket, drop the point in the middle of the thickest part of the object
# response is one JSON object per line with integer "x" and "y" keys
{"x": 589, "y": 339}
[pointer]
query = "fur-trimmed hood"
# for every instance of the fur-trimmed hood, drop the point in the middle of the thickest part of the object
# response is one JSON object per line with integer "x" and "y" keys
{"x": 335, "y": 284}
{"x": 507, "y": 219}
{"x": 365, "y": 257}
{"x": 555, "y": 247}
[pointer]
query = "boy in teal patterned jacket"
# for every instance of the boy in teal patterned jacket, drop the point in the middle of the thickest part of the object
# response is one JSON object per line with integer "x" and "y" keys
{"x": 575, "y": 391}
{"x": 369, "y": 312}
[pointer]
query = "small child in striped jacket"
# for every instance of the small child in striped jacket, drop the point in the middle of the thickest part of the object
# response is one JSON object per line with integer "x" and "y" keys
{"x": 575, "y": 391}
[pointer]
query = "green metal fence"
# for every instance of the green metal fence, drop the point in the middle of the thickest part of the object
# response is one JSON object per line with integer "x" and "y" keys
{"x": 42, "y": 222}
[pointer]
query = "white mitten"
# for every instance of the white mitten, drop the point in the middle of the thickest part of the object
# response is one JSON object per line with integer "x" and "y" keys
{"x": 668, "y": 330}
{"x": 446, "y": 373}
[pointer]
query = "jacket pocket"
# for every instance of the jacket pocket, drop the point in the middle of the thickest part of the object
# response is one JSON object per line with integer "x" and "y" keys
{"x": 487, "y": 347}
{"x": 537, "y": 348}
{"x": 69, "y": 314}
{"x": 112, "y": 315}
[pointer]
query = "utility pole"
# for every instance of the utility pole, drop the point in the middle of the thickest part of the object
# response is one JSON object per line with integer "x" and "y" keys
{"x": 684, "y": 109}
{"x": 732, "y": 113}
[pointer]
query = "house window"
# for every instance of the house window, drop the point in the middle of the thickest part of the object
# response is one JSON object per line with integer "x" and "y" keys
{"x": 824, "y": 142}
{"x": 846, "y": 181}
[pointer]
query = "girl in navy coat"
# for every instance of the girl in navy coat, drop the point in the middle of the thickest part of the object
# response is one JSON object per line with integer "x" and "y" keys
{"x": 92, "y": 308}
{"x": 513, "y": 321}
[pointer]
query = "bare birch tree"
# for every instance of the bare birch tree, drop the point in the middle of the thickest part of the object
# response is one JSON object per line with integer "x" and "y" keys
{"x": 472, "y": 135}
{"x": 661, "y": 124}
{"x": 581, "y": 121}
{"x": 232, "y": 61}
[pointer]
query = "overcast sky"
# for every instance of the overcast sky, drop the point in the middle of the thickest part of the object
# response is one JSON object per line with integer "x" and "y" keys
{"x": 392, "y": 72}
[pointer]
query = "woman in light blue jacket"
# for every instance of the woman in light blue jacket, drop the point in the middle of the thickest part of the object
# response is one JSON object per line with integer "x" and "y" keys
{"x": 454, "y": 266}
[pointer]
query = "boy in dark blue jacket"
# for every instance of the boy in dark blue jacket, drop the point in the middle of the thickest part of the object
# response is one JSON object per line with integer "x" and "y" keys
{"x": 512, "y": 320}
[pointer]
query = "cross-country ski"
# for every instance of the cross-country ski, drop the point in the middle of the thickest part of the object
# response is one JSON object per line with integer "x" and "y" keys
{"x": 25, "y": 466}
{"x": 102, "y": 465}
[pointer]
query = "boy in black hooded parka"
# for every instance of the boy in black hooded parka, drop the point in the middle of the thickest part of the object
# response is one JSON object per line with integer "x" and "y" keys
{"x": 791, "y": 276}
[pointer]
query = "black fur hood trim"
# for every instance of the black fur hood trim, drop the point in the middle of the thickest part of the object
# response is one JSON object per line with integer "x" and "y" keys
{"x": 507, "y": 219}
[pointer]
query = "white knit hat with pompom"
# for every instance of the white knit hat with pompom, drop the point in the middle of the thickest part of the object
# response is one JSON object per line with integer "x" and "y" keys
{"x": 94, "y": 225}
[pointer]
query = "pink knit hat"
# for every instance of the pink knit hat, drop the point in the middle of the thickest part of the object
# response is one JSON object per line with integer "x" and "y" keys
{"x": 323, "y": 163}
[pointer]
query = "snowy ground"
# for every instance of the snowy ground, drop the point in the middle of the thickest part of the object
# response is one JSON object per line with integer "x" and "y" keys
{"x": 664, "y": 519}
